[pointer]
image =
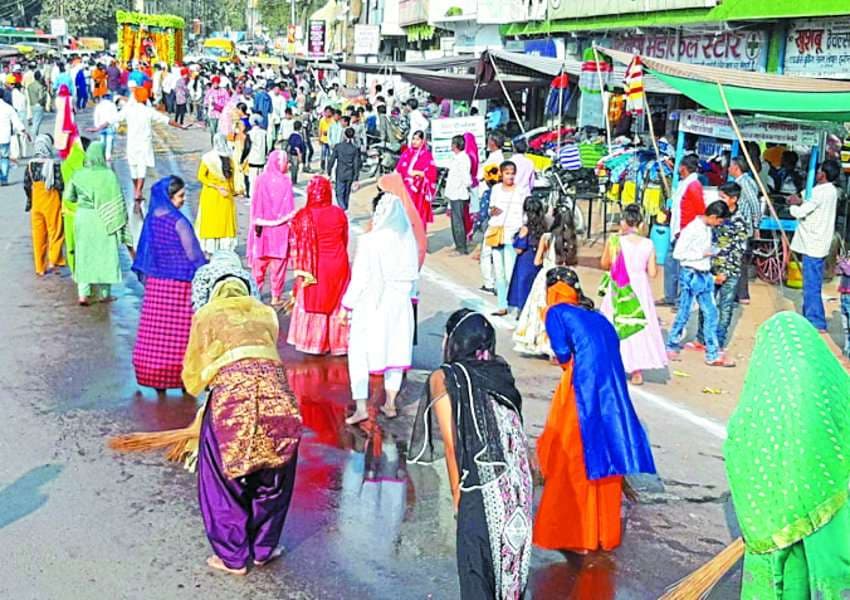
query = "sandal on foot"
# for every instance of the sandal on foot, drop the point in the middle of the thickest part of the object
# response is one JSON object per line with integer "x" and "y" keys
{"x": 389, "y": 412}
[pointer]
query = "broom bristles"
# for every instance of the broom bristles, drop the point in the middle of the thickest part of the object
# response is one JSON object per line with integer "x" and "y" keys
{"x": 702, "y": 581}
{"x": 144, "y": 441}
{"x": 178, "y": 442}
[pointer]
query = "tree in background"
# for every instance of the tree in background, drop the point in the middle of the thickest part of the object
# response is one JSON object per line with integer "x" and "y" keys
{"x": 84, "y": 17}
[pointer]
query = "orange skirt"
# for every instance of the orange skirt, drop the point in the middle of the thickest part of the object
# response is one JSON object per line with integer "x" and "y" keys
{"x": 575, "y": 513}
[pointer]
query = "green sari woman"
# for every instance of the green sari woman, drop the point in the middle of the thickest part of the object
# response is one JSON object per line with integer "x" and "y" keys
{"x": 100, "y": 226}
{"x": 788, "y": 464}
{"x": 76, "y": 160}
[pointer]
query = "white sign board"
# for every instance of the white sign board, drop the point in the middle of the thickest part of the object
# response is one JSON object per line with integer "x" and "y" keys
{"x": 818, "y": 48}
{"x": 443, "y": 130}
{"x": 774, "y": 131}
{"x": 367, "y": 39}
{"x": 743, "y": 50}
{"x": 58, "y": 27}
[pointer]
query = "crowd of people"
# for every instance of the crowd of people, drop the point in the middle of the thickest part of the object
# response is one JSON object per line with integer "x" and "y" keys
{"x": 204, "y": 327}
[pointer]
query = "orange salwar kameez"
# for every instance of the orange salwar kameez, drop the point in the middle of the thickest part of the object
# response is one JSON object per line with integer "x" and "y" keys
{"x": 575, "y": 513}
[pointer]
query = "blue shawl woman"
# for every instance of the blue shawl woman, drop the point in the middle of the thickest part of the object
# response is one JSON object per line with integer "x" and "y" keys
{"x": 166, "y": 260}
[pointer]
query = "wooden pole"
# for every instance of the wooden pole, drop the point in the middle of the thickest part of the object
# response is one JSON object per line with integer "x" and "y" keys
{"x": 602, "y": 95}
{"x": 785, "y": 244}
{"x": 505, "y": 92}
{"x": 667, "y": 188}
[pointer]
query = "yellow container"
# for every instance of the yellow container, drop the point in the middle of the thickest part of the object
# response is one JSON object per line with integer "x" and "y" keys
{"x": 794, "y": 275}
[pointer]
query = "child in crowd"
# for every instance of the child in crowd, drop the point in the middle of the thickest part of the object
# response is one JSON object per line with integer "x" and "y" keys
{"x": 730, "y": 240}
{"x": 694, "y": 251}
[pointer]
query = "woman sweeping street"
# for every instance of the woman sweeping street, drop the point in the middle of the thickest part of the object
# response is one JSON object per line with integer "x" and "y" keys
{"x": 786, "y": 462}
{"x": 475, "y": 406}
{"x": 379, "y": 302}
{"x": 215, "y": 223}
{"x": 419, "y": 172}
{"x": 167, "y": 257}
{"x": 100, "y": 226}
{"x": 272, "y": 208}
{"x": 644, "y": 350}
{"x": 592, "y": 436}
{"x": 320, "y": 264}
{"x": 251, "y": 426}
{"x": 43, "y": 187}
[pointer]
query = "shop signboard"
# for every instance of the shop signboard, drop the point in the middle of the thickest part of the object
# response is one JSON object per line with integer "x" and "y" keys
{"x": 317, "y": 38}
{"x": 443, "y": 130}
{"x": 818, "y": 48}
{"x": 367, "y": 39}
{"x": 575, "y": 9}
{"x": 412, "y": 12}
{"x": 773, "y": 131}
{"x": 745, "y": 50}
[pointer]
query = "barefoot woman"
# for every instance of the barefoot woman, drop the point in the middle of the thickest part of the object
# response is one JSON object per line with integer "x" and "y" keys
{"x": 251, "y": 428}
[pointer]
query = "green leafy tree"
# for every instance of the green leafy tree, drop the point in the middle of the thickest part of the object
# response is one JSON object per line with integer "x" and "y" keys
{"x": 84, "y": 17}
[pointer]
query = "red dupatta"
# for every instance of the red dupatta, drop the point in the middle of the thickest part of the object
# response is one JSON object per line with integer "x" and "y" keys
{"x": 305, "y": 245}
{"x": 421, "y": 189}
{"x": 68, "y": 125}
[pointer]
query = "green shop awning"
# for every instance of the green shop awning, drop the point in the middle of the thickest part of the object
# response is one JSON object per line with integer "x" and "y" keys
{"x": 623, "y": 21}
{"x": 754, "y": 93}
{"x": 743, "y": 10}
{"x": 727, "y": 10}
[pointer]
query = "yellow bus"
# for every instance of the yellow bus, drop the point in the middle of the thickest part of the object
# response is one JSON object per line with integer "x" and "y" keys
{"x": 220, "y": 49}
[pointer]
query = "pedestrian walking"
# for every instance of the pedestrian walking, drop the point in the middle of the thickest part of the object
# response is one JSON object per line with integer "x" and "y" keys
{"x": 592, "y": 437}
{"x": 272, "y": 209}
{"x": 167, "y": 257}
{"x": 10, "y": 125}
{"x": 322, "y": 272}
{"x": 419, "y": 172}
{"x": 506, "y": 202}
{"x": 215, "y": 222}
{"x": 473, "y": 411}
{"x": 43, "y": 186}
{"x": 100, "y": 227}
{"x": 558, "y": 247}
{"x": 37, "y": 98}
{"x": 525, "y": 244}
{"x": 378, "y": 302}
{"x": 346, "y": 158}
{"x": 106, "y": 120}
{"x": 813, "y": 238}
{"x": 643, "y": 350}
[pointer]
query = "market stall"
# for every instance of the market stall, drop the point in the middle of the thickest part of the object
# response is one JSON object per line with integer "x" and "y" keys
{"x": 780, "y": 108}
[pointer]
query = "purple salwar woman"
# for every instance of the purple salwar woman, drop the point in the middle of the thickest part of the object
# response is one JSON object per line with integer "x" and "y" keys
{"x": 251, "y": 428}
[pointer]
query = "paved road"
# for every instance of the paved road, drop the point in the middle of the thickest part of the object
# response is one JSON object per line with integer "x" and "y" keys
{"x": 78, "y": 521}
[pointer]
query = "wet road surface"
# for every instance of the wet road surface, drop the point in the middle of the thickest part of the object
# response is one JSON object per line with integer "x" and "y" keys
{"x": 79, "y": 521}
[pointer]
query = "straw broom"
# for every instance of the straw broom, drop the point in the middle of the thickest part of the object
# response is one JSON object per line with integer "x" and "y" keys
{"x": 699, "y": 583}
{"x": 181, "y": 445}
